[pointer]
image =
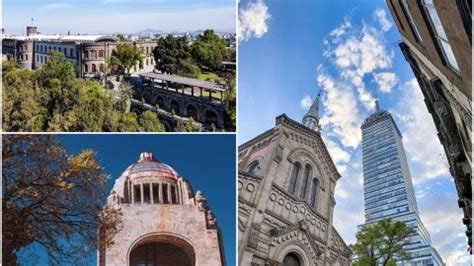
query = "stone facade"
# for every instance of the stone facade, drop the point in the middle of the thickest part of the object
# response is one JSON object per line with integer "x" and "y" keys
{"x": 437, "y": 45}
{"x": 160, "y": 210}
{"x": 285, "y": 215}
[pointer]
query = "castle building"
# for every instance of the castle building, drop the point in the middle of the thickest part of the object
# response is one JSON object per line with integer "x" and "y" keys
{"x": 89, "y": 53}
{"x": 286, "y": 186}
{"x": 163, "y": 221}
{"x": 437, "y": 43}
{"x": 388, "y": 187}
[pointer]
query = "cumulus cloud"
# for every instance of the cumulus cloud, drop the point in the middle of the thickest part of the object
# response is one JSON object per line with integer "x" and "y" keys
{"x": 341, "y": 116}
{"x": 386, "y": 81}
{"x": 253, "y": 20}
{"x": 415, "y": 118}
{"x": 381, "y": 17}
{"x": 306, "y": 102}
{"x": 337, "y": 32}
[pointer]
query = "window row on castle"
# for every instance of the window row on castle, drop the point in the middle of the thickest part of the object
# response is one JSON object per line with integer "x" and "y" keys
{"x": 150, "y": 193}
{"x": 47, "y": 48}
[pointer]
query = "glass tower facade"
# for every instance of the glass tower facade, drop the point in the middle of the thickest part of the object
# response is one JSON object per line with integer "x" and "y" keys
{"x": 388, "y": 187}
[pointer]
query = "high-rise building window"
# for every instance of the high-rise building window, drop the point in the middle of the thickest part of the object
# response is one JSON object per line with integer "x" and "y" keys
{"x": 304, "y": 184}
{"x": 406, "y": 10}
{"x": 440, "y": 34}
{"x": 314, "y": 190}
{"x": 294, "y": 178}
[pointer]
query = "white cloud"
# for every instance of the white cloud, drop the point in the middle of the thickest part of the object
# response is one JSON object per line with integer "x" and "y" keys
{"x": 420, "y": 135}
{"x": 386, "y": 81}
{"x": 341, "y": 116}
{"x": 459, "y": 258}
{"x": 381, "y": 17}
{"x": 253, "y": 20}
{"x": 337, "y": 32}
{"x": 306, "y": 102}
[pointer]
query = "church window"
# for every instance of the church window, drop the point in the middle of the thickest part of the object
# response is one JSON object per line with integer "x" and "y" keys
{"x": 314, "y": 189}
{"x": 253, "y": 167}
{"x": 294, "y": 178}
{"x": 304, "y": 184}
{"x": 291, "y": 259}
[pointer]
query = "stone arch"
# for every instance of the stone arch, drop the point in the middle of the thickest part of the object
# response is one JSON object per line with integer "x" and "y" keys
{"x": 211, "y": 116}
{"x": 161, "y": 102}
{"x": 183, "y": 248}
{"x": 295, "y": 247}
{"x": 174, "y": 105}
{"x": 192, "y": 111}
{"x": 305, "y": 157}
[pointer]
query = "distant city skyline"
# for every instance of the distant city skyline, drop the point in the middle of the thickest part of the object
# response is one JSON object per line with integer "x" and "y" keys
{"x": 118, "y": 16}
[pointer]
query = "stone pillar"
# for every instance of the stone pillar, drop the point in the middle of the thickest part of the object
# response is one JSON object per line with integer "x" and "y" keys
{"x": 168, "y": 191}
{"x": 151, "y": 193}
{"x": 141, "y": 193}
{"x": 160, "y": 192}
{"x": 133, "y": 193}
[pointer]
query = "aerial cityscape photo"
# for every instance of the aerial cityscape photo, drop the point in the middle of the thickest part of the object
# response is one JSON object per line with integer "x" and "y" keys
{"x": 118, "y": 66}
{"x": 236, "y": 132}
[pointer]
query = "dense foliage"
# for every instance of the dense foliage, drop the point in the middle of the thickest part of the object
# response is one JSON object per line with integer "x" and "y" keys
{"x": 52, "y": 200}
{"x": 125, "y": 56}
{"x": 53, "y": 99}
{"x": 382, "y": 243}
{"x": 209, "y": 50}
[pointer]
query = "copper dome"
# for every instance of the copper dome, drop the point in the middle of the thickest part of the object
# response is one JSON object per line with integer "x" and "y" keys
{"x": 147, "y": 166}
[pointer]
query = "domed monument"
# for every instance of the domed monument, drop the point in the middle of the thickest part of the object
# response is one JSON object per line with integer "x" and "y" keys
{"x": 163, "y": 221}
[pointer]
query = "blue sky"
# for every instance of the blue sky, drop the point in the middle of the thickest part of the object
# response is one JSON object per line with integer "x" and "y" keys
{"x": 110, "y": 16}
{"x": 207, "y": 162}
{"x": 289, "y": 50}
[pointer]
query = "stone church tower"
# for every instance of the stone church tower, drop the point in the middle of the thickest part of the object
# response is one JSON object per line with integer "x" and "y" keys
{"x": 163, "y": 221}
{"x": 286, "y": 197}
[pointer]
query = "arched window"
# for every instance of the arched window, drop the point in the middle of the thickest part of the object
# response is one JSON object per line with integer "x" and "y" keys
{"x": 253, "y": 167}
{"x": 304, "y": 184}
{"x": 94, "y": 69}
{"x": 294, "y": 178}
{"x": 291, "y": 259}
{"x": 86, "y": 68}
{"x": 314, "y": 190}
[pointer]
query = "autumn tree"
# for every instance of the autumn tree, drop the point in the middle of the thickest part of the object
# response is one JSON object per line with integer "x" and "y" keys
{"x": 382, "y": 243}
{"x": 125, "y": 56}
{"x": 53, "y": 199}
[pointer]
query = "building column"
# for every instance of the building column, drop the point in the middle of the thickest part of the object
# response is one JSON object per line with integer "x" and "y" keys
{"x": 141, "y": 192}
{"x": 133, "y": 193}
{"x": 160, "y": 193}
{"x": 168, "y": 190}
{"x": 151, "y": 193}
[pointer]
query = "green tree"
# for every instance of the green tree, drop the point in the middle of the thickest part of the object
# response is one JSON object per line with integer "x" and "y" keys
{"x": 94, "y": 108}
{"x": 149, "y": 122}
{"x": 209, "y": 50}
{"x": 173, "y": 55}
{"x": 125, "y": 56}
{"x": 128, "y": 123}
{"x": 382, "y": 243}
{"x": 22, "y": 108}
{"x": 188, "y": 126}
{"x": 52, "y": 199}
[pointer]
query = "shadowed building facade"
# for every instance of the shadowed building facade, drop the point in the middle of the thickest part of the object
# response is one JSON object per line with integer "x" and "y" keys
{"x": 388, "y": 187}
{"x": 163, "y": 221}
{"x": 286, "y": 186}
{"x": 437, "y": 45}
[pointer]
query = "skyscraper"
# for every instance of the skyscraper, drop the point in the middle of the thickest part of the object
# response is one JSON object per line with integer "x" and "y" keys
{"x": 388, "y": 188}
